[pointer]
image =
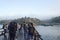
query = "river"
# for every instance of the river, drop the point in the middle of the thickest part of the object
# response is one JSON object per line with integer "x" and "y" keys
{"x": 48, "y": 32}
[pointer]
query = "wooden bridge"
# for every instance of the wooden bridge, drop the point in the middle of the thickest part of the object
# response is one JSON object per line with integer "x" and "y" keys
{"x": 19, "y": 35}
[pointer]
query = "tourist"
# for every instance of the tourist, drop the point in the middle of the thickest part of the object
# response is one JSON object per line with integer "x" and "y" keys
{"x": 21, "y": 32}
{"x": 12, "y": 30}
{"x": 30, "y": 31}
{"x": 5, "y": 27}
{"x": 20, "y": 28}
{"x": 25, "y": 27}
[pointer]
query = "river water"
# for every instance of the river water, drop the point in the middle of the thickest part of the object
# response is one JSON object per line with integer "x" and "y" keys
{"x": 48, "y": 32}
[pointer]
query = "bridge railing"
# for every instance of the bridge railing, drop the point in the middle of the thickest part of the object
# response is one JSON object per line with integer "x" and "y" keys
{"x": 37, "y": 36}
{"x": 1, "y": 32}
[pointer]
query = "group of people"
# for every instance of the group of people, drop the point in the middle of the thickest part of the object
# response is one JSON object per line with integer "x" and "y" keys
{"x": 29, "y": 31}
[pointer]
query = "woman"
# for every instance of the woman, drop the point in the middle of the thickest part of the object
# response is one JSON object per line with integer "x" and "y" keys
{"x": 21, "y": 32}
{"x": 31, "y": 30}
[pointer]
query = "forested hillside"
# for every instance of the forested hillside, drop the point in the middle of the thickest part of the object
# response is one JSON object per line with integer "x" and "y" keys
{"x": 22, "y": 20}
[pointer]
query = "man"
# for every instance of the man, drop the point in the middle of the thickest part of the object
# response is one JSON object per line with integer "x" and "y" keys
{"x": 25, "y": 27}
{"x": 12, "y": 30}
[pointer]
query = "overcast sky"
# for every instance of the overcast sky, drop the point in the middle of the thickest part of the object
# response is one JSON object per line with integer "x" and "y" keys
{"x": 42, "y": 9}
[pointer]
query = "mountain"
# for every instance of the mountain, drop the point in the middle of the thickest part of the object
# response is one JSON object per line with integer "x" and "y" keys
{"x": 28, "y": 19}
{"x": 53, "y": 20}
{"x": 22, "y": 20}
{"x": 56, "y": 20}
{"x": 4, "y": 21}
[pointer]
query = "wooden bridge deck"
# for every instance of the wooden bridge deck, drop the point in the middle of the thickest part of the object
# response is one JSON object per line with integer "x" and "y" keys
{"x": 20, "y": 36}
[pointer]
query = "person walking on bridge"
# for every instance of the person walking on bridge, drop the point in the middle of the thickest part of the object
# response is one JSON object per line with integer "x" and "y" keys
{"x": 5, "y": 27}
{"x": 24, "y": 30}
{"x": 12, "y": 30}
{"x": 30, "y": 31}
{"x": 25, "y": 27}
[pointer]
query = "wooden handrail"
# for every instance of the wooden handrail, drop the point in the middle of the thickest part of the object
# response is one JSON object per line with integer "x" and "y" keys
{"x": 1, "y": 32}
{"x": 37, "y": 35}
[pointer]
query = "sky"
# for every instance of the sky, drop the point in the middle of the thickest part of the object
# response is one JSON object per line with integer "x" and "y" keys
{"x": 41, "y": 9}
